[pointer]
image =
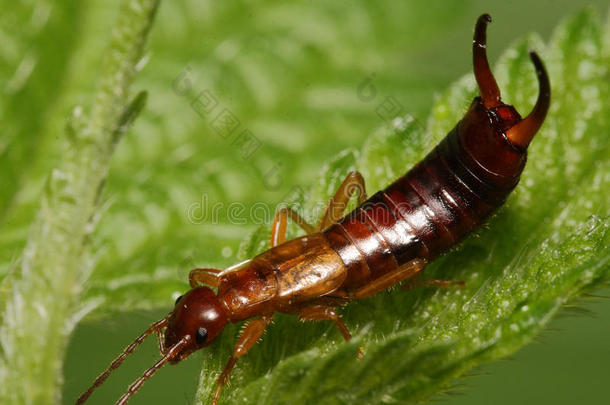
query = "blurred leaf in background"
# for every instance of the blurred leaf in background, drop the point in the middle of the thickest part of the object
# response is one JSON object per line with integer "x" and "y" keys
{"x": 292, "y": 75}
{"x": 41, "y": 294}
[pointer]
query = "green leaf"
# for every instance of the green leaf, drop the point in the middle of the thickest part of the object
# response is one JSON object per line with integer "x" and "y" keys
{"x": 28, "y": 95}
{"x": 40, "y": 304}
{"x": 548, "y": 245}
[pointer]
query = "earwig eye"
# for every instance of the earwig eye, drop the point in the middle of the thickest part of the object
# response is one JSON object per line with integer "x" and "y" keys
{"x": 201, "y": 336}
{"x": 178, "y": 299}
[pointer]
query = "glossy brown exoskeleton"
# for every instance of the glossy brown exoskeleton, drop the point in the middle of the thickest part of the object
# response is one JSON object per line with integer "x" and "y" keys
{"x": 388, "y": 238}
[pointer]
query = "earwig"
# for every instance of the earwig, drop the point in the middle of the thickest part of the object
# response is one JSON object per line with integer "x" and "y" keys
{"x": 387, "y": 239}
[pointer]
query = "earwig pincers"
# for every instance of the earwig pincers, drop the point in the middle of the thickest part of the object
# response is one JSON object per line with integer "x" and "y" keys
{"x": 387, "y": 239}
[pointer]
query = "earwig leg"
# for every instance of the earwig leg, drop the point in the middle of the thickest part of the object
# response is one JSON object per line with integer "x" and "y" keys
{"x": 278, "y": 229}
{"x": 251, "y": 334}
{"x": 415, "y": 282}
{"x": 204, "y": 276}
{"x": 162, "y": 348}
{"x": 353, "y": 183}
{"x": 436, "y": 283}
{"x": 412, "y": 282}
{"x": 325, "y": 313}
{"x": 335, "y": 299}
{"x": 443, "y": 283}
{"x": 403, "y": 272}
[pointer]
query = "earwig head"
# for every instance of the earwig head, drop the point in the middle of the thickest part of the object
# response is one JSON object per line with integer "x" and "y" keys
{"x": 197, "y": 320}
{"x": 493, "y": 133}
{"x": 198, "y": 316}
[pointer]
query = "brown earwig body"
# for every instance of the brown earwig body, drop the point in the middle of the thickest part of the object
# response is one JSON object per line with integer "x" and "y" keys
{"x": 387, "y": 239}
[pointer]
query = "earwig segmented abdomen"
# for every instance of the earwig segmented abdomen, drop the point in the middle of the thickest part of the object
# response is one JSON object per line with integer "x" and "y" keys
{"x": 425, "y": 212}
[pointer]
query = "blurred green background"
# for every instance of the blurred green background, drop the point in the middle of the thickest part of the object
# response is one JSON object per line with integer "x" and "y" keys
{"x": 290, "y": 73}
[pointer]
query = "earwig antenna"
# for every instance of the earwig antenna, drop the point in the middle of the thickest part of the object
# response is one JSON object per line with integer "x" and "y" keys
{"x": 155, "y": 327}
{"x": 137, "y": 384}
{"x": 490, "y": 93}
{"x": 522, "y": 133}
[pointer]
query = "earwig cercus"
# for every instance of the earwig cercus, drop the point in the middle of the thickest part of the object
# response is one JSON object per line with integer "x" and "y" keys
{"x": 388, "y": 238}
